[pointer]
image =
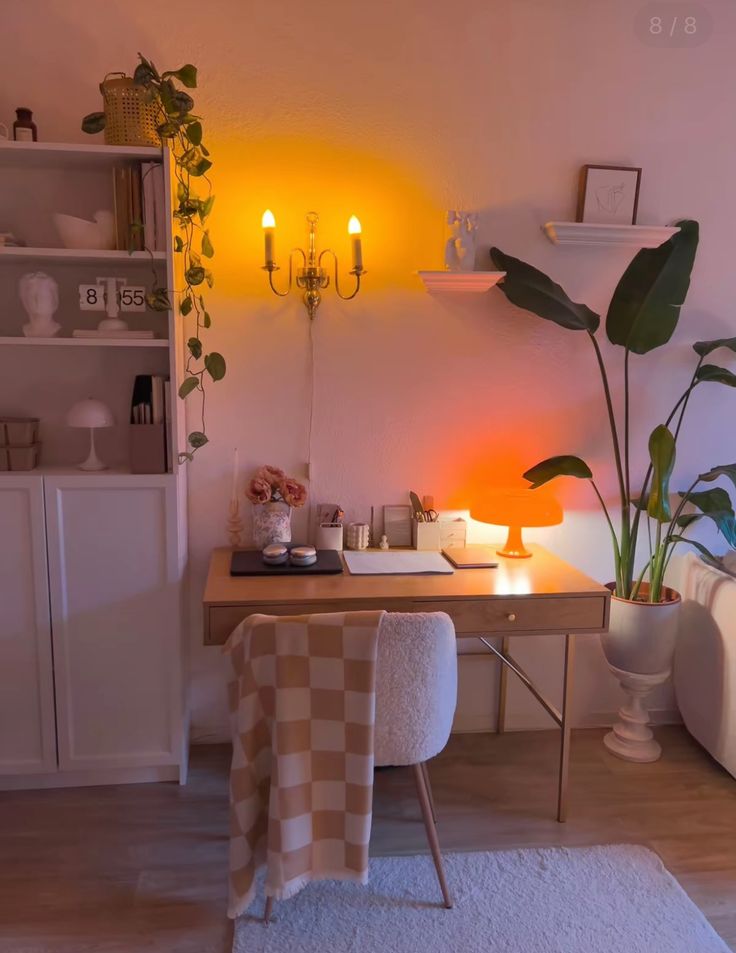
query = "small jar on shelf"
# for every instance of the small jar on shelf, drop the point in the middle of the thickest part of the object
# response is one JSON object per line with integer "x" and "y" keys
{"x": 24, "y": 128}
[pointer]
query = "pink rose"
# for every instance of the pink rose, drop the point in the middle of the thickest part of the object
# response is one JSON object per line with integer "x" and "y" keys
{"x": 259, "y": 490}
{"x": 271, "y": 475}
{"x": 293, "y": 492}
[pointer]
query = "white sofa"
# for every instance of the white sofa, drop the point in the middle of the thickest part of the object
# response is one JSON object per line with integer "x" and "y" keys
{"x": 705, "y": 659}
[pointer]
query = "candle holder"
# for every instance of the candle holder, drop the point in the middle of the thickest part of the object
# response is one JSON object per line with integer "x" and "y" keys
{"x": 234, "y": 523}
{"x": 312, "y": 277}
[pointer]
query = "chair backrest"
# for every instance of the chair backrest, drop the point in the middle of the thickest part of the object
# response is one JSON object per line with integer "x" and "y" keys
{"x": 416, "y": 686}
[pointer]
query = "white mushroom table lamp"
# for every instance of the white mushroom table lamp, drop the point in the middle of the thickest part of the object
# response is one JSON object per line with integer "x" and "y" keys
{"x": 92, "y": 415}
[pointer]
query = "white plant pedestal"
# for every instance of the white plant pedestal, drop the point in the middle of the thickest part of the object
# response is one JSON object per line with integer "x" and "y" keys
{"x": 631, "y": 738}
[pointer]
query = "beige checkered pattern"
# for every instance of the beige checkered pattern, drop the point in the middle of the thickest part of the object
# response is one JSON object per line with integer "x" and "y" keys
{"x": 301, "y": 784}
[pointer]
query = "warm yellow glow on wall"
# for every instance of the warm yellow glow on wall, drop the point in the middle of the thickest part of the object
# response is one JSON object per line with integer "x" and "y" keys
{"x": 402, "y": 228}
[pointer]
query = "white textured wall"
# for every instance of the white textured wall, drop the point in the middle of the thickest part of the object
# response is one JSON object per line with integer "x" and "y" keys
{"x": 396, "y": 111}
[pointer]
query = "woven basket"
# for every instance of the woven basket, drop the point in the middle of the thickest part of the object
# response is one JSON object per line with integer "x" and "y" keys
{"x": 130, "y": 117}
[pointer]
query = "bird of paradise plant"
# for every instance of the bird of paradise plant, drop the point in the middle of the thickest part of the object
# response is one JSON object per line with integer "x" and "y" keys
{"x": 642, "y": 316}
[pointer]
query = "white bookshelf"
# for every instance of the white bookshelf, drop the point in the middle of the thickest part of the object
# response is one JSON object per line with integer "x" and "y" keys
{"x": 92, "y": 565}
{"x": 78, "y": 255}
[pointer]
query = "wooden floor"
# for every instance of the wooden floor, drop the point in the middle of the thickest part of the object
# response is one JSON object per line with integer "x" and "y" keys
{"x": 142, "y": 868}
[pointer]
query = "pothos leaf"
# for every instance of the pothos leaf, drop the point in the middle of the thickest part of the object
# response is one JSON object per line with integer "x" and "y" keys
{"x": 178, "y": 243}
{"x": 215, "y": 365}
{"x": 194, "y": 275}
{"x": 197, "y": 439}
{"x": 195, "y": 348}
{"x": 194, "y": 133}
{"x": 158, "y": 299}
{"x": 206, "y": 320}
{"x": 187, "y": 75}
{"x": 187, "y": 386}
{"x": 207, "y": 249}
{"x": 93, "y": 123}
{"x": 186, "y": 306}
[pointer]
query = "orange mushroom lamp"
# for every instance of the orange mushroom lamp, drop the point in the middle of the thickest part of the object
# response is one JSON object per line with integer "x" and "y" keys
{"x": 516, "y": 509}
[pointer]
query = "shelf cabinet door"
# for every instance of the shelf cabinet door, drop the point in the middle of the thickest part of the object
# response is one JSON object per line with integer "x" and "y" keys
{"x": 115, "y": 609}
{"x": 27, "y": 729}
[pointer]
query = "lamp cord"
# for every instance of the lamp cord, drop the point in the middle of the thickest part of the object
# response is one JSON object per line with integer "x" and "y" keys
{"x": 312, "y": 376}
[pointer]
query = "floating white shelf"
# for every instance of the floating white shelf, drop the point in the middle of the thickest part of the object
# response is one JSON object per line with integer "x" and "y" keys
{"x": 82, "y": 342}
{"x": 590, "y": 233}
{"x": 77, "y": 255}
{"x": 475, "y": 281}
{"x": 68, "y": 154}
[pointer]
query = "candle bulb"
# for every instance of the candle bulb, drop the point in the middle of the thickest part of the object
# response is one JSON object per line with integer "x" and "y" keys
{"x": 269, "y": 228}
{"x": 354, "y": 231}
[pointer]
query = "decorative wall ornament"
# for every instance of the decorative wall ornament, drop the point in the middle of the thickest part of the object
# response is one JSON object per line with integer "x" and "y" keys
{"x": 460, "y": 245}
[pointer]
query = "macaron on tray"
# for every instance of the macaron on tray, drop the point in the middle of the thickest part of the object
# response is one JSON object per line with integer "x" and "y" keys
{"x": 278, "y": 554}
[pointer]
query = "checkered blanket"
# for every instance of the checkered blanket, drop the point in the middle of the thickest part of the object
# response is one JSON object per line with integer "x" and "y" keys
{"x": 301, "y": 784}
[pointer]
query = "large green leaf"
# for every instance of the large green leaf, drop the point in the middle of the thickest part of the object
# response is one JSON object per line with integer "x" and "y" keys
{"x": 727, "y": 470}
{"x": 704, "y": 348}
{"x": 645, "y": 307}
{"x": 704, "y": 552}
{"x": 724, "y": 520}
{"x": 553, "y": 467}
{"x": 662, "y": 454}
{"x": 714, "y": 500}
{"x": 529, "y": 288}
{"x": 716, "y": 375}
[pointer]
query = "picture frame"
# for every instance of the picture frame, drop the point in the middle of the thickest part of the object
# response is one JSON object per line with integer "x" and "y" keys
{"x": 608, "y": 194}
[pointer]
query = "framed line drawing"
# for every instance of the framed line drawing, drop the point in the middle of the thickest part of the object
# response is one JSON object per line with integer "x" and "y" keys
{"x": 608, "y": 194}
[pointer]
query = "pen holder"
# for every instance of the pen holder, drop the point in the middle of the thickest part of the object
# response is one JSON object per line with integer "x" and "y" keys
{"x": 425, "y": 536}
{"x": 329, "y": 536}
{"x": 357, "y": 535}
{"x": 147, "y": 448}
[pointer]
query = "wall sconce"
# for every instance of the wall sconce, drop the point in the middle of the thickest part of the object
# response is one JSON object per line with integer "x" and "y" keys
{"x": 312, "y": 277}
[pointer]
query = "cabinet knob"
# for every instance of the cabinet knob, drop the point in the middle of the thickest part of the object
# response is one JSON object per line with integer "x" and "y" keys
{"x": 511, "y": 617}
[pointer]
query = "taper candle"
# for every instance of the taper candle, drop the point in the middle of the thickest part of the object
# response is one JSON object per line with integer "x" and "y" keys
{"x": 354, "y": 231}
{"x": 236, "y": 465}
{"x": 269, "y": 229}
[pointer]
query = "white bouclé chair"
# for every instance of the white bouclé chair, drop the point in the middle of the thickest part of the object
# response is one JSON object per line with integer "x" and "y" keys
{"x": 416, "y": 694}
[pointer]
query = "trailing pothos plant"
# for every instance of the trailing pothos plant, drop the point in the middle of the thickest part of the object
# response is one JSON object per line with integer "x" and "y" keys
{"x": 642, "y": 316}
{"x": 182, "y": 130}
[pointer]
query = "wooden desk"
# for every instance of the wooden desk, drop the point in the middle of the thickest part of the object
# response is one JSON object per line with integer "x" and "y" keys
{"x": 538, "y": 596}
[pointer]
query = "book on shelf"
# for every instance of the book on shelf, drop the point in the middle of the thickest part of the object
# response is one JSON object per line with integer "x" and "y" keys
{"x": 154, "y": 206}
{"x": 149, "y": 443}
{"x": 140, "y": 207}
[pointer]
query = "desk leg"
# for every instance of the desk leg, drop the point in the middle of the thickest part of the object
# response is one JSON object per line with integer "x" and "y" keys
{"x": 565, "y": 726}
{"x": 502, "y": 683}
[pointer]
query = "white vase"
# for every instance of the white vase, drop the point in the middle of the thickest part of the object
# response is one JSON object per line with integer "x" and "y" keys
{"x": 271, "y": 523}
{"x": 639, "y": 647}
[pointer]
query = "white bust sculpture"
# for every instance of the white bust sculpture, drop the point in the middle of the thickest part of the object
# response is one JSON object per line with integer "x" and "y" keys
{"x": 39, "y": 294}
{"x": 460, "y": 246}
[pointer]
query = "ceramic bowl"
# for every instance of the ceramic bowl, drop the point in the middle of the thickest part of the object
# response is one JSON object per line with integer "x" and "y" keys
{"x": 81, "y": 233}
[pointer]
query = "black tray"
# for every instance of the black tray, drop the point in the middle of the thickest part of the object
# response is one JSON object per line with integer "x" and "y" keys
{"x": 249, "y": 562}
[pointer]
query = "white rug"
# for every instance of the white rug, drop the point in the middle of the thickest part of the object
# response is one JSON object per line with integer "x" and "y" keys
{"x": 587, "y": 900}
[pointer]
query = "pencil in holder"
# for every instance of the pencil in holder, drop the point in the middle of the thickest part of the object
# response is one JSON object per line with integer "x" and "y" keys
{"x": 329, "y": 536}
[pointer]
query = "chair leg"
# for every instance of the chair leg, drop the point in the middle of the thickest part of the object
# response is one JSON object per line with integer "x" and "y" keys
{"x": 268, "y": 911}
{"x": 429, "y": 826}
{"x": 430, "y": 795}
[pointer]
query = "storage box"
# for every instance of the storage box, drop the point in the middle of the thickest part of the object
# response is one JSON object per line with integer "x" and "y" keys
{"x": 425, "y": 536}
{"x": 147, "y": 448}
{"x": 23, "y": 458}
{"x": 18, "y": 431}
{"x": 329, "y": 536}
{"x": 453, "y": 533}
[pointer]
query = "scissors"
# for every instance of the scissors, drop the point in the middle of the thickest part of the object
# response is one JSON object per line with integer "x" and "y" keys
{"x": 431, "y": 516}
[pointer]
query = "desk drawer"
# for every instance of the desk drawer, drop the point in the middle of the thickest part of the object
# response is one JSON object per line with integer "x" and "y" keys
{"x": 219, "y": 621}
{"x": 535, "y": 614}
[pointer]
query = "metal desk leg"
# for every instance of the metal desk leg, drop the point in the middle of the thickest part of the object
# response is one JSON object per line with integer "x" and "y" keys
{"x": 502, "y": 683}
{"x": 565, "y": 728}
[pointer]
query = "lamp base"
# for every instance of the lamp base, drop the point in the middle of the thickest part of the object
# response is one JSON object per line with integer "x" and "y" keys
{"x": 514, "y": 546}
{"x": 93, "y": 462}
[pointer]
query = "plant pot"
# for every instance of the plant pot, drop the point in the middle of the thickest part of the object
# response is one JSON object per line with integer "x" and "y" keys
{"x": 639, "y": 647}
{"x": 271, "y": 523}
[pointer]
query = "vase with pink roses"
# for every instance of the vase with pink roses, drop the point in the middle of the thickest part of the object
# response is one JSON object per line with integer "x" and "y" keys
{"x": 273, "y": 495}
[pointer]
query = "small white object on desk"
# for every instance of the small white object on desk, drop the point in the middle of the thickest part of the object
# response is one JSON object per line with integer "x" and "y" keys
{"x": 384, "y": 542}
{"x": 397, "y": 563}
{"x": 357, "y": 535}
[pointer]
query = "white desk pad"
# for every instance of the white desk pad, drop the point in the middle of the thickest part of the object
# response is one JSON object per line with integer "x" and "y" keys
{"x": 394, "y": 563}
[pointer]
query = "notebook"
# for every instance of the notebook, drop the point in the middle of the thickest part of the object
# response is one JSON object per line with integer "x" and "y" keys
{"x": 472, "y": 557}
